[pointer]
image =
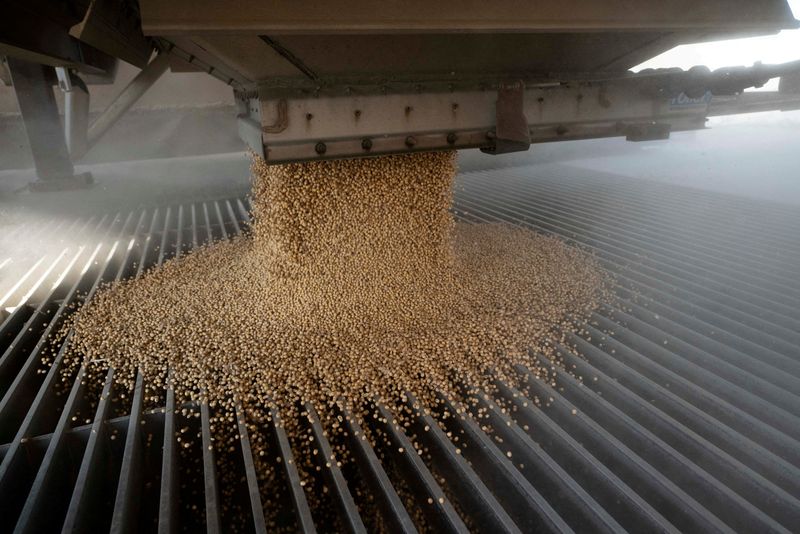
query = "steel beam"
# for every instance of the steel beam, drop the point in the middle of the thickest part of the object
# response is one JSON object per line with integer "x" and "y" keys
{"x": 128, "y": 97}
{"x": 414, "y": 16}
{"x": 33, "y": 85}
{"x": 286, "y": 122}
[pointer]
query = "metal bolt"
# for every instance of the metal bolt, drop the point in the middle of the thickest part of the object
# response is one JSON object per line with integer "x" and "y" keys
{"x": 366, "y": 143}
{"x": 410, "y": 141}
{"x": 320, "y": 148}
{"x": 451, "y": 138}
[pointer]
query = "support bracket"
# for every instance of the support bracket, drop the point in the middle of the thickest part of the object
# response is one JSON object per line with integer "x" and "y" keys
{"x": 511, "y": 131}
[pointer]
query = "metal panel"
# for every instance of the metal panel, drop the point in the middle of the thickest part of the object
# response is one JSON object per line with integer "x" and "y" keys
{"x": 348, "y": 16}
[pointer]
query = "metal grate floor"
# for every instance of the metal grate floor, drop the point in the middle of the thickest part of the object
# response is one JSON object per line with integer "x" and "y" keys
{"x": 681, "y": 411}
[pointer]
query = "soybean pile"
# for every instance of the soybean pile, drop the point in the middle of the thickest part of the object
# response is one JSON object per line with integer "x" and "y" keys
{"x": 355, "y": 283}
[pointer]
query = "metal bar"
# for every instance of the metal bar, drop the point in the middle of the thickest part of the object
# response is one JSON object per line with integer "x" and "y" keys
{"x": 234, "y": 221}
{"x": 627, "y": 364}
{"x": 725, "y": 361}
{"x": 82, "y": 512}
{"x": 475, "y": 497}
{"x": 669, "y": 498}
{"x": 162, "y": 249}
{"x": 568, "y": 498}
{"x": 179, "y": 233}
{"x": 256, "y": 506}
{"x": 527, "y": 506}
{"x": 438, "y": 508}
{"x": 208, "y": 224}
{"x": 721, "y": 500}
{"x": 629, "y": 265}
{"x": 622, "y": 501}
{"x": 126, "y": 503}
{"x": 736, "y": 442}
{"x": 737, "y": 395}
{"x": 394, "y": 513}
{"x": 220, "y": 221}
{"x": 168, "y": 498}
{"x": 33, "y": 85}
{"x": 332, "y": 473}
{"x": 305, "y": 523}
{"x": 653, "y": 228}
{"x": 195, "y": 242}
{"x": 148, "y": 245}
{"x": 213, "y": 524}
{"x": 38, "y": 510}
{"x": 698, "y": 258}
{"x": 128, "y": 97}
{"x": 763, "y": 306}
{"x": 287, "y": 54}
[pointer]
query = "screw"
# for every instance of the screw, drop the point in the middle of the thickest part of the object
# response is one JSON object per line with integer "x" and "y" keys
{"x": 451, "y": 138}
{"x": 366, "y": 143}
{"x": 320, "y": 148}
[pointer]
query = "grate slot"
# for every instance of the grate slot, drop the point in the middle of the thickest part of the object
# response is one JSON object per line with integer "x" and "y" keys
{"x": 392, "y": 509}
{"x": 210, "y": 473}
{"x": 737, "y": 396}
{"x": 714, "y": 415}
{"x": 627, "y": 269}
{"x": 630, "y": 239}
{"x": 714, "y": 495}
{"x": 473, "y": 495}
{"x": 46, "y": 500}
{"x": 568, "y": 498}
{"x": 774, "y": 312}
{"x": 713, "y": 339}
{"x": 430, "y": 497}
{"x": 254, "y": 494}
{"x": 305, "y": 523}
{"x": 85, "y": 512}
{"x": 126, "y": 503}
{"x": 783, "y": 398}
{"x": 525, "y": 504}
{"x": 168, "y": 501}
{"x": 333, "y": 475}
{"x": 623, "y": 502}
